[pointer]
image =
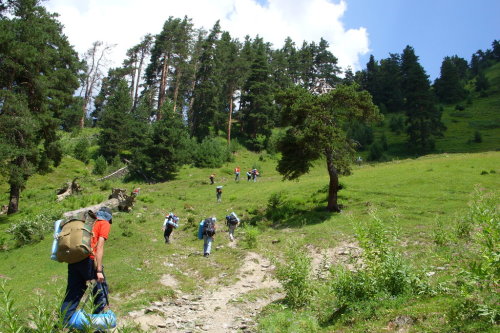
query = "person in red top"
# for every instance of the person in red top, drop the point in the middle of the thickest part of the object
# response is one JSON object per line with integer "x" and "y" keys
{"x": 90, "y": 268}
{"x": 237, "y": 174}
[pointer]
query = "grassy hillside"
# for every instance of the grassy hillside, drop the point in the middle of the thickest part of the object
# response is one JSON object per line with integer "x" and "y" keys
{"x": 480, "y": 115}
{"x": 414, "y": 194}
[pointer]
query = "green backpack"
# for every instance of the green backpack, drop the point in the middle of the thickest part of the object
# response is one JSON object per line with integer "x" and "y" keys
{"x": 73, "y": 242}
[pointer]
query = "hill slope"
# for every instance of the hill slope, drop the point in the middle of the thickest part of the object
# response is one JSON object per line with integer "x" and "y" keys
{"x": 418, "y": 192}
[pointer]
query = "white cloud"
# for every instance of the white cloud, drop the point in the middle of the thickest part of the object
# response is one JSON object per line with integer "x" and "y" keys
{"x": 124, "y": 22}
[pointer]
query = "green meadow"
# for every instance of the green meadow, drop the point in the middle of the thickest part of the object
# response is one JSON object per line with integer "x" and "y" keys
{"x": 415, "y": 196}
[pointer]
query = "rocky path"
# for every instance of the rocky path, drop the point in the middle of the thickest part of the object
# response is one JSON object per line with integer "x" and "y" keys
{"x": 227, "y": 309}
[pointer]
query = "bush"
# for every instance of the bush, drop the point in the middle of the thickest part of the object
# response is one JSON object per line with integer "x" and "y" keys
{"x": 289, "y": 321}
{"x": 294, "y": 276}
{"x": 211, "y": 153}
{"x": 459, "y": 107}
{"x": 376, "y": 152}
{"x": 100, "y": 166}
{"x": 28, "y": 231}
{"x": 81, "y": 152}
{"x": 251, "y": 236}
{"x": 475, "y": 302}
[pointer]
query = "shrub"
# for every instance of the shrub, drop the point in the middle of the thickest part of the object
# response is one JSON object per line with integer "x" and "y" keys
{"x": 81, "y": 152}
{"x": 251, "y": 236}
{"x": 100, "y": 166}
{"x": 376, "y": 152}
{"x": 279, "y": 208}
{"x": 31, "y": 230}
{"x": 211, "y": 153}
{"x": 475, "y": 302}
{"x": 440, "y": 234}
{"x": 294, "y": 276}
{"x": 459, "y": 107}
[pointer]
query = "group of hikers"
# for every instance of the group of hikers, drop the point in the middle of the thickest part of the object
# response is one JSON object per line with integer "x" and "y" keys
{"x": 92, "y": 269}
{"x": 252, "y": 174}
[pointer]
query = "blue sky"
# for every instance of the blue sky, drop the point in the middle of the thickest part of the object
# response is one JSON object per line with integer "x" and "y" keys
{"x": 434, "y": 28}
{"x": 354, "y": 28}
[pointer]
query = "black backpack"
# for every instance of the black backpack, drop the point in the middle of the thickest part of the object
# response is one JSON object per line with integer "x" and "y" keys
{"x": 231, "y": 220}
{"x": 209, "y": 227}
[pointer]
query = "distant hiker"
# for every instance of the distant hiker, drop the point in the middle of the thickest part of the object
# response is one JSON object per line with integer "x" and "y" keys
{"x": 237, "y": 174}
{"x": 212, "y": 177}
{"x": 359, "y": 160}
{"x": 255, "y": 173}
{"x": 90, "y": 268}
{"x": 171, "y": 222}
{"x": 218, "y": 193}
{"x": 232, "y": 221}
{"x": 249, "y": 175}
{"x": 206, "y": 231}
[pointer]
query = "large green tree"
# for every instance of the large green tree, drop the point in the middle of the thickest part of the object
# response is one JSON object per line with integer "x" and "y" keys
{"x": 317, "y": 131}
{"x": 165, "y": 149}
{"x": 423, "y": 117}
{"x": 208, "y": 93}
{"x": 450, "y": 86}
{"x": 38, "y": 76}
{"x": 257, "y": 101}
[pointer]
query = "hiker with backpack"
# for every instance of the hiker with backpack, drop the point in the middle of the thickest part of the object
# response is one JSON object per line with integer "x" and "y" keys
{"x": 232, "y": 221}
{"x": 255, "y": 173}
{"x": 206, "y": 231}
{"x": 249, "y": 175}
{"x": 218, "y": 193}
{"x": 171, "y": 222}
{"x": 237, "y": 174}
{"x": 88, "y": 269}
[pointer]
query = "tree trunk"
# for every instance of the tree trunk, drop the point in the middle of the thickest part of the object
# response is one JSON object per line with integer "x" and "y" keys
{"x": 333, "y": 187}
{"x": 163, "y": 84}
{"x": 176, "y": 91}
{"x": 136, "y": 94}
{"x": 230, "y": 118}
{"x": 15, "y": 193}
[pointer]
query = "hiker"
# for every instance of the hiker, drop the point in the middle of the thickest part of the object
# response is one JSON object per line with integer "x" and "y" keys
{"x": 206, "y": 231}
{"x": 212, "y": 177}
{"x": 232, "y": 221}
{"x": 255, "y": 173}
{"x": 90, "y": 268}
{"x": 237, "y": 174}
{"x": 171, "y": 222}
{"x": 359, "y": 160}
{"x": 218, "y": 193}
{"x": 249, "y": 175}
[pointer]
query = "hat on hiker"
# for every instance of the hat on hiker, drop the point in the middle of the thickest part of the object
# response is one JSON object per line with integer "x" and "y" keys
{"x": 104, "y": 213}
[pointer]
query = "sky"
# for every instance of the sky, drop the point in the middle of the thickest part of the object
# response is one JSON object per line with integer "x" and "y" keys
{"x": 355, "y": 29}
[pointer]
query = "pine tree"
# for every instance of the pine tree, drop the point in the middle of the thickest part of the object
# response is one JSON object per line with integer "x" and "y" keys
{"x": 390, "y": 93}
{"x": 257, "y": 100}
{"x": 116, "y": 121}
{"x": 38, "y": 76}
{"x": 166, "y": 148}
{"x": 208, "y": 89}
{"x": 423, "y": 118}
{"x": 450, "y": 86}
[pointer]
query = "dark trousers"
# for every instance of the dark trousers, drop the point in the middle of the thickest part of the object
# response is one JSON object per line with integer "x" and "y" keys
{"x": 78, "y": 274}
{"x": 167, "y": 233}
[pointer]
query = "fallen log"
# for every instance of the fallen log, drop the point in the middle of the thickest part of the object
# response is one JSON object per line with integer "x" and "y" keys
{"x": 118, "y": 200}
{"x": 68, "y": 189}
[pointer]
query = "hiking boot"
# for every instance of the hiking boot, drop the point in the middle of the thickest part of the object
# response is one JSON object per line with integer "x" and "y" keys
{"x": 206, "y": 255}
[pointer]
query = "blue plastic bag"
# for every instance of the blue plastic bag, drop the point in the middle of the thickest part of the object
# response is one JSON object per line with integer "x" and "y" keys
{"x": 81, "y": 320}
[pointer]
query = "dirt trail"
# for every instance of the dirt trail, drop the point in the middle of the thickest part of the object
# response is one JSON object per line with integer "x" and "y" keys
{"x": 227, "y": 309}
